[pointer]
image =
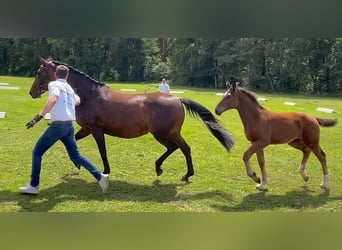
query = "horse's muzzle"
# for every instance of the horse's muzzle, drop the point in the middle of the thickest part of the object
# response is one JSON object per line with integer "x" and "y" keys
{"x": 218, "y": 112}
{"x": 35, "y": 95}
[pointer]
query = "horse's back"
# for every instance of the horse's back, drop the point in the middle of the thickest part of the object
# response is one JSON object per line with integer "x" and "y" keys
{"x": 288, "y": 126}
{"x": 133, "y": 115}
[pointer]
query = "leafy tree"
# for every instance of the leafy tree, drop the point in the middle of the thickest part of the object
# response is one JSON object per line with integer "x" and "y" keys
{"x": 272, "y": 64}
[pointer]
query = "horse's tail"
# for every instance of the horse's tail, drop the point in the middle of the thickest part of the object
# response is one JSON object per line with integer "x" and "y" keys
{"x": 196, "y": 109}
{"x": 326, "y": 122}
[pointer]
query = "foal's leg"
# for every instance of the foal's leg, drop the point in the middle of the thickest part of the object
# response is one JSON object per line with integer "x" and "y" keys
{"x": 256, "y": 146}
{"x": 321, "y": 157}
{"x": 261, "y": 161}
{"x": 298, "y": 144}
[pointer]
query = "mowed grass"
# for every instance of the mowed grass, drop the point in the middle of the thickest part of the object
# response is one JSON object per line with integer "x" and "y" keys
{"x": 220, "y": 183}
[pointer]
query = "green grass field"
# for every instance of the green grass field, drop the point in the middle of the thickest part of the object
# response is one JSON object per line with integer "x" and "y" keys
{"x": 219, "y": 184}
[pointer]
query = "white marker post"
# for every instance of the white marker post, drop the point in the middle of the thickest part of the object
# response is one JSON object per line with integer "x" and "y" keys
{"x": 326, "y": 110}
{"x": 290, "y": 103}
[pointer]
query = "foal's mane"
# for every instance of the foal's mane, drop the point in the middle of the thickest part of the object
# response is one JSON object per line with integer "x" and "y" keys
{"x": 100, "y": 84}
{"x": 251, "y": 96}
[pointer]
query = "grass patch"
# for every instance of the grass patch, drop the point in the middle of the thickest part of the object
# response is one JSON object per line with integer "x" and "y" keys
{"x": 220, "y": 182}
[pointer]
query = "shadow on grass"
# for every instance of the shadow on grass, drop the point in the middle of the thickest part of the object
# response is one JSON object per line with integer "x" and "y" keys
{"x": 294, "y": 200}
{"x": 78, "y": 190}
{"x": 81, "y": 192}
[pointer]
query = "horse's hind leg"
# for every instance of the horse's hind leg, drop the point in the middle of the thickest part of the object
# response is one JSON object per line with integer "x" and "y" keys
{"x": 101, "y": 144}
{"x": 298, "y": 144}
{"x": 187, "y": 153}
{"x": 171, "y": 147}
{"x": 172, "y": 143}
{"x": 322, "y": 158}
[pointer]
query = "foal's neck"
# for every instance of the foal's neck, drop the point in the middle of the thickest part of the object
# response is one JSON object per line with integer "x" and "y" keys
{"x": 249, "y": 111}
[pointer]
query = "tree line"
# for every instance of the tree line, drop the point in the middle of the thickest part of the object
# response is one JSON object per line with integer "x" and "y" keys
{"x": 290, "y": 65}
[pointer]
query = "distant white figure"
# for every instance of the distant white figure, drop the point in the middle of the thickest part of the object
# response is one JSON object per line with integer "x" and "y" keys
{"x": 164, "y": 86}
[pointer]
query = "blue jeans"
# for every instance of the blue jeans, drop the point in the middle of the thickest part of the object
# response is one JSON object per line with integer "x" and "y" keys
{"x": 65, "y": 133}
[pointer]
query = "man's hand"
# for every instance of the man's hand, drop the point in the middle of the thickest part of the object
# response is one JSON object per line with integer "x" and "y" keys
{"x": 36, "y": 119}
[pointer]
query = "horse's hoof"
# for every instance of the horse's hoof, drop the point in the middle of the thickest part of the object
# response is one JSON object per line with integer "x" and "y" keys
{"x": 323, "y": 187}
{"x": 159, "y": 172}
{"x": 306, "y": 178}
{"x": 185, "y": 178}
{"x": 255, "y": 178}
{"x": 261, "y": 188}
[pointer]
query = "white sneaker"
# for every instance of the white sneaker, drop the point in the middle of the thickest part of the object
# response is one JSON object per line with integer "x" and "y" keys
{"x": 104, "y": 182}
{"x": 29, "y": 189}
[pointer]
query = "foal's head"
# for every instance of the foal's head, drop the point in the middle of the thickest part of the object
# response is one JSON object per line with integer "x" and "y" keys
{"x": 230, "y": 99}
{"x": 46, "y": 74}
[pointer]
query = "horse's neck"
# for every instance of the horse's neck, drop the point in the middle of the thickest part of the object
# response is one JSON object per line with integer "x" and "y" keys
{"x": 83, "y": 86}
{"x": 249, "y": 113}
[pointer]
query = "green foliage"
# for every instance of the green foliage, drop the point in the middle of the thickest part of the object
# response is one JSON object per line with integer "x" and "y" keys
{"x": 219, "y": 184}
{"x": 290, "y": 65}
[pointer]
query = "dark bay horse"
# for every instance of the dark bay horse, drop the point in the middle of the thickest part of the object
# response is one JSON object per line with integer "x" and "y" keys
{"x": 263, "y": 127}
{"x": 106, "y": 111}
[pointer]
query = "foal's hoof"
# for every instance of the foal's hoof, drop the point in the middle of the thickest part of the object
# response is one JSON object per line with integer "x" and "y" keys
{"x": 256, "y": 178}
{"x": 261, "y": 187}
{"x": 323, "y": 187}
{"x": 306, "y": 178}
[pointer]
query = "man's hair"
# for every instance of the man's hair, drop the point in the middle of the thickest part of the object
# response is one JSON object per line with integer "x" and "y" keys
{"x": 62, "y": 71}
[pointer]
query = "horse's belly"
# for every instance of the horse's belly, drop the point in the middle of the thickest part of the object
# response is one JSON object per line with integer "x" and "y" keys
{"x": 284, "y": 136}
{"x": 127, "y": 131}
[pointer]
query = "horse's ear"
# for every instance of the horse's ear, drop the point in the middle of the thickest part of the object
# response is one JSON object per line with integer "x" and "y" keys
{"x": 234, "y": 85}
{"x": 231, "y": 84}
{"x": 43, "y": 61}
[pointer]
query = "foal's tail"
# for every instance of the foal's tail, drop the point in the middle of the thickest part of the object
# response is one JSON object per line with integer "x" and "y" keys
{"x": 196, "y": 109}
{"x": 326, "y": 122}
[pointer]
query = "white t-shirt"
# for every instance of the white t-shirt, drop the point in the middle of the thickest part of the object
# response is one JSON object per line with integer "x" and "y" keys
{"x": 164, "y": 88}
{"x": 64, "y": 110}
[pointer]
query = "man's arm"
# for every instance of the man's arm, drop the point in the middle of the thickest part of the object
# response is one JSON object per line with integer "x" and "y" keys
{"x": 50, "y": 103}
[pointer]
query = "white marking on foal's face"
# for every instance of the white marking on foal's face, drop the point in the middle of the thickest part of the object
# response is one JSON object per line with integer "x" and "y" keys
{"x": 227, "y": 93}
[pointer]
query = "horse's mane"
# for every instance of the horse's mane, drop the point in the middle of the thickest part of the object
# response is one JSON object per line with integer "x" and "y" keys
{"x": 101, "y": 84}
{"x": 251, "y": 96}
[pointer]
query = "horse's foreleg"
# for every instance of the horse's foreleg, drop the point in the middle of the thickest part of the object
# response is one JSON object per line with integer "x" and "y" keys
{"x": 261, "y": 161}
{"x": 101, "y": 144}
{"x": 256, "y": 146}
